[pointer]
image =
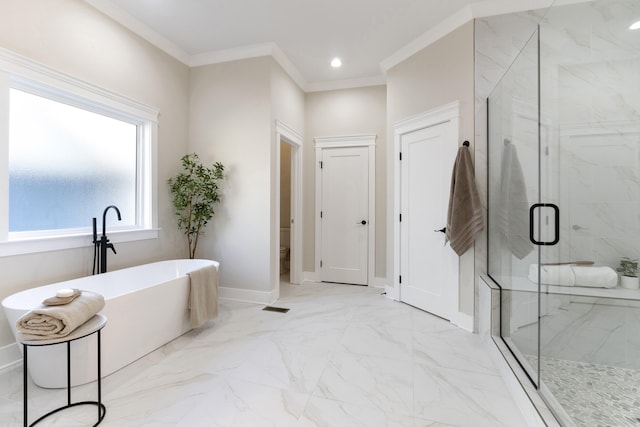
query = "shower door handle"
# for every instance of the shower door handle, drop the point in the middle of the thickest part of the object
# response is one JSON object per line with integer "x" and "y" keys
{"x": 556, "y": 217}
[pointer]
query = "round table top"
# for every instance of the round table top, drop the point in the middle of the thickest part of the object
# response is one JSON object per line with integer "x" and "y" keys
{"x": 89, "y": 327}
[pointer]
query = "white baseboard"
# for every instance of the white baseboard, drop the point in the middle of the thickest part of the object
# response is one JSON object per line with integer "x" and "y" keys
{"x": 392, "y": 292}
{"x": 246, "y": 295}
{"x": 9, "y": 356}
{"x": 463, "y": 321}
{"x": 310, "y": 276}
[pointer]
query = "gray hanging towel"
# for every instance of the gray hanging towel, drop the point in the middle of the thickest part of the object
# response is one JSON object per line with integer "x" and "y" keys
{"x": 464, "y": 218}
{"x": 513, "y": 211}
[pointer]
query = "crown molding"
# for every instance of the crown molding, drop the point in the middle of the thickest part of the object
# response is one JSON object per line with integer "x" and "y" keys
{"x": 464, "y": 15}
{"x": 141, "y": 29}
{"x": 233, "y": 54}
{"x": 346, "y": 84}
{"x": 434, "y": 34}
{"x": 288, "y": 67}
{"x": 501, "y": 7}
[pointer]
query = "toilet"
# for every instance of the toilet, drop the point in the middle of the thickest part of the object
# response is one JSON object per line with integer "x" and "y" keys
{"x": 284, "y": 249}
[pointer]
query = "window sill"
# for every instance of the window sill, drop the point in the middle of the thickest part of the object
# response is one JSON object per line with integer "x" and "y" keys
{"x": 56, "y": 243}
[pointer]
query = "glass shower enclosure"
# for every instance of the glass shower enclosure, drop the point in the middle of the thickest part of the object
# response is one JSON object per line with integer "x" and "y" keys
{"x": 564, "y": 210}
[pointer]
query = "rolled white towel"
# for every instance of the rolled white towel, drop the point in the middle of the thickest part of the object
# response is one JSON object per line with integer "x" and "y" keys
{"x": 595, "y": 277}
{"x": 50, "y": 322}
{"x": 559, "y": 275}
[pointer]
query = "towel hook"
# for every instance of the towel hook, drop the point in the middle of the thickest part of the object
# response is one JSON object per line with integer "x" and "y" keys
{"x": 465, "y": 144}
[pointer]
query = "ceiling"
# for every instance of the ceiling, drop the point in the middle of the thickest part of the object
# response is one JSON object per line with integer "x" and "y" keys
{"x": 303, "y": 35}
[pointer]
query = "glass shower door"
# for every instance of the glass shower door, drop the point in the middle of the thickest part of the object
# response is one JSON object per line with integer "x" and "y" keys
{"x": 514, "y": 187}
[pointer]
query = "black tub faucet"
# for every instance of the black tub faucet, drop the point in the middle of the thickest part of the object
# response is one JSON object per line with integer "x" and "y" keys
{"x": 101, "y": 245}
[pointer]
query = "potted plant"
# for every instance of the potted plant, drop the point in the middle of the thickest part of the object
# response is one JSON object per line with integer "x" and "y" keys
{"x": 628, "y": 273}
{"x": 195, "y": 192}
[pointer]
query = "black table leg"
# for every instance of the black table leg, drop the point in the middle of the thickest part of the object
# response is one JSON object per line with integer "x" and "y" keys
{"x": 24, "y": 383}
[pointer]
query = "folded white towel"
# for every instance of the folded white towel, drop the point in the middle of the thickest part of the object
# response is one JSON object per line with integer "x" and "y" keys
{"x": 203, "y": 295}
{"x": 559, "y": 275}
{"x": 595, "y": 277}
{"x": 574, "y": 275}
{"x": 58, "y": 321}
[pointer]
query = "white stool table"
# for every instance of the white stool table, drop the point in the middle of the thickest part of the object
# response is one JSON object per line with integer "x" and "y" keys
{"x": 91, "y": 326}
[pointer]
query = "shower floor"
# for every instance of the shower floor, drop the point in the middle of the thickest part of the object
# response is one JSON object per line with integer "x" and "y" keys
{"x": 593, "y": 395}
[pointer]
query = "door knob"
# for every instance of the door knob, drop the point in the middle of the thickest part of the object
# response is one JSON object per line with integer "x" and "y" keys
{"x": 363, "y": 222}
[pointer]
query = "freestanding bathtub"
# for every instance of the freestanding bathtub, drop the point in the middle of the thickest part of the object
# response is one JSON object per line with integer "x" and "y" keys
{"x": 146, "y": 307}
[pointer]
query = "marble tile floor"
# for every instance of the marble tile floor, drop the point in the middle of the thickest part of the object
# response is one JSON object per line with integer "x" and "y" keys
{"x": 342, "y": 356}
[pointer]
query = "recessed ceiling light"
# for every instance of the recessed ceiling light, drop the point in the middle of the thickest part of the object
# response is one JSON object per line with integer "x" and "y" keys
{"x": 635, "y": 26}
{"x": 336, "y": 63}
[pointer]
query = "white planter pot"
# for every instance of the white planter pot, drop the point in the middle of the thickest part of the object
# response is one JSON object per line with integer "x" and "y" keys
{"x": 628, "y": 282}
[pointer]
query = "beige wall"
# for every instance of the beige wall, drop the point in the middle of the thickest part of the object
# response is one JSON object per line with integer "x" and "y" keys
{"x": 437, "y": 75}
{"x": 229, "y": 122}
{"x": 233, "y": 110}
{"x": 72, "y": 37}
{"x": 288, "y": 108}
{"x": 341, "y": 113}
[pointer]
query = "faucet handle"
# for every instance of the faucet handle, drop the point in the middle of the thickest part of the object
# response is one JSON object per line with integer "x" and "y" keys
{"x": 110, "y": 246}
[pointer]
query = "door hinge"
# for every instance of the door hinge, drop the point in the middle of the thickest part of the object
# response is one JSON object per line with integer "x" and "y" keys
{"x": 320, "y": 214}
{"x": 320, "y": 264}
{"x": 320, "y": 164}
{"x": 400, "y": 217}
{"x": 400, "y": 278}
{"x": 401, "y": 155}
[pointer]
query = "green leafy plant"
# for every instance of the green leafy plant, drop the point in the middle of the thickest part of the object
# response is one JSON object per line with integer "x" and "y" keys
{"x": 628, "y": 267}
{"x": 195, "y": 192}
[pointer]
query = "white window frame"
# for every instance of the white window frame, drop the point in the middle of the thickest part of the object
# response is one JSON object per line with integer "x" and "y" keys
{"x": 22, "y": 73}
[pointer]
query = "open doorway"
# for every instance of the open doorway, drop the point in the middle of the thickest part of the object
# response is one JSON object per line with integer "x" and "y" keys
{"x": 285, "y": 212}
{"x": 286, "y": 224}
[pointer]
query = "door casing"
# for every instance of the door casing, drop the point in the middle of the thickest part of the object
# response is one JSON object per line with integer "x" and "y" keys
{"x": 295, "y": 139}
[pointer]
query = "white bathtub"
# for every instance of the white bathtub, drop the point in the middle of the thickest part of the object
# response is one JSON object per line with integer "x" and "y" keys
{"x": 146, "y": 307}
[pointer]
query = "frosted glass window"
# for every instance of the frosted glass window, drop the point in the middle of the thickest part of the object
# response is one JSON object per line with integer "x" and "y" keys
{"x": 66, "y": 164}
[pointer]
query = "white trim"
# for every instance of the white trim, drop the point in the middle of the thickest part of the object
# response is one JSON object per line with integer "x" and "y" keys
{"x": 392, "y": 292}
{"x": 134, "y": 25}
{"x": 247, "y": 295}
{"x": 446, "y": 113}
{"x": 458, "y": 19}
{"x": 345, "y": 141}
{"x": 233, "y": 54}
{"x": 432, "y": 117}
{"x": 464, "y": 15}
{"x": 462, "y": 320}
{"x": 310, "y": 276}
{"x": 380, "y": 80}
{"x": 288, "y": 66}
{"x": 296, "y": 140}
{"x": 368, "y": 141}
{"x": 437, "y": 32}
{"x": 10, "y": 356}
{"x": 289, "y": 133}
{"x": 501, "y": 7}
{"x": 24, "y": 70}
{"x": 56, "y": 243}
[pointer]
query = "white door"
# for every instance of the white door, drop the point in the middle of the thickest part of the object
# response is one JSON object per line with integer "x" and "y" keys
{"x": 344, "y": 218}
{"x": 429, "y": 269}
